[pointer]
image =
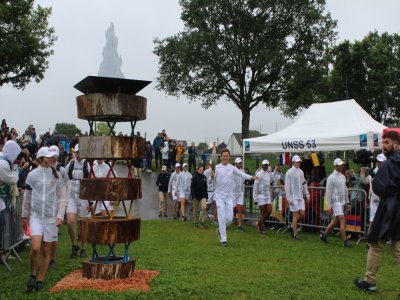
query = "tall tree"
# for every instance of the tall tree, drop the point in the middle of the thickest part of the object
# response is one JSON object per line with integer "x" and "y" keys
{"x": 67, "y": 129}
{"x": 248, "y": 52}
{"x": 369, "y": 71}
{"x": 25, "y": 42}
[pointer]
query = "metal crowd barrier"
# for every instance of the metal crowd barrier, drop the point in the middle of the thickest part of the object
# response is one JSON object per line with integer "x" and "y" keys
{"x": 317, "y": 217}
{"x": 11, "y": 234}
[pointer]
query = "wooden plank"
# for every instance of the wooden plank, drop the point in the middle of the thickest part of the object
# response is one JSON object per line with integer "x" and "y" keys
{"x": 112, "y": 189}
{"x": 103, "y": 232}
{"x": 107, "y": 271}
{"x": 112, "y": 147}
{"x": 111, "y": 107}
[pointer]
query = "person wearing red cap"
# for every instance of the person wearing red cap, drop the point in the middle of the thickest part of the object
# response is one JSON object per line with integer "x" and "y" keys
{"x": 336, "y": 197}
{"x": 296, "y": 189}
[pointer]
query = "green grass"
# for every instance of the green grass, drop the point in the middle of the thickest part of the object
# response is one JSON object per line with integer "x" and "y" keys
{"x": 194, "y": 266}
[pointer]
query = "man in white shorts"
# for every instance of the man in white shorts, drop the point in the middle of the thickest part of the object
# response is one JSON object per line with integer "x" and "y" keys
{"x": 77, "y": 169}
{"x": 336, "y": 197}
{"x": 238, "y": 195}
{"x": 173, "y": 189}
{"x": 262, "y": 194}
{"x": 296, "y": 189}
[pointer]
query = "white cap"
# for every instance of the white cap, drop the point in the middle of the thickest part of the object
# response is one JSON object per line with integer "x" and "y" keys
{"x": 184, "y": 165}
{"x": 265, "y": 162}
{"x": 76, "y": 148}
{"x": 338, "y": 162}
{"x": 238, "y": 160}
{"x": 177, "y": 165}
{"x": 381, "y": 157}
{"x": 44, "y": 152}
{"x": 296, "y": 158}
{"x": 164, "y": 168}
{"x": 54, "y": 150}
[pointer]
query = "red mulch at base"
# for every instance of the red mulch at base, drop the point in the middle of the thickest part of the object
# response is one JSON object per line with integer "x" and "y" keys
{"x": 140, "y": 281}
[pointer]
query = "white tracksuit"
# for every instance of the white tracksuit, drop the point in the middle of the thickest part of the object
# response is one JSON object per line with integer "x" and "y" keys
{"x": 224, "y": 194}
{"x": 210, "y": 185}
{"x": 238, "y": 189}
{"x": 262, "y": 187}
{"x": 295, "y": 186}
{"x": 184, "y": 181}
{"x": 172, "y": 185}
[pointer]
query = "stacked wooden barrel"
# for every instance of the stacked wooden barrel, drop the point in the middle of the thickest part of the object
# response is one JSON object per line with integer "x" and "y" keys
{"x": 110, "y": 100}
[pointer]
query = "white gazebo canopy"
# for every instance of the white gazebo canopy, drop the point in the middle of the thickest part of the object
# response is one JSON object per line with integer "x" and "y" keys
{"x": 341, "y": 125}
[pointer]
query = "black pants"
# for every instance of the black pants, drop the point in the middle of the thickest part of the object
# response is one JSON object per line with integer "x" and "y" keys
{"x": 157, "y": 157}
{"x": 192, "y": 161}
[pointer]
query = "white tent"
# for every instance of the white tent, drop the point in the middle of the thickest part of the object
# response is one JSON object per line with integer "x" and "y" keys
{"x": 341, "y": 125}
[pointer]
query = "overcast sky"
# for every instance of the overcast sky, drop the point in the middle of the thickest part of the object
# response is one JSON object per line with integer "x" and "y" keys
{"x": 80, "y": 27}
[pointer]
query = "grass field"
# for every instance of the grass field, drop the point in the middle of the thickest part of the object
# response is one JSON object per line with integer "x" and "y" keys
{"x": 194, "y": 266}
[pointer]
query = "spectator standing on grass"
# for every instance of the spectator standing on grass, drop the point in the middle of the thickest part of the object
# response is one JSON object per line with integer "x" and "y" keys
{"x": 184, "y": 181}
{"x": 224, "y": 173}
{"x": 173, "y": 190}
{"x": 199, "y": 196}
{"x": 337, "y": 196}
{"x": 386, "y": 224}
{"x": 8, "y": 175}
{"x": 238, "y": 195}
{"x": 44, "y": 203}
{"x": 296, "y": 189}
{"x": 162, "y": 183}
{"x": 262, "y": 194}
{"x": 158, "y": 144}
{"x": 192, "y": 157}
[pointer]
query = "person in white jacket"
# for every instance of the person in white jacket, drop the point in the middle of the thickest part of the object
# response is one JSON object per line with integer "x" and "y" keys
{"x": 373, "y": 198}
{"x": 224, "y": 173}
{"x": 184, "y": 181}
{"x": 44, "y": 204}
{"x": 238, "y": 195}
{"x": 210, "y": 191}
{"x": 296, "y": 189}
{"x": 262, "y": 194}
{"x": 336, "y": 197}
{"x": 173, "y": 189}
{"x": 164, "y": 154}
{"x": 101, "y": 170}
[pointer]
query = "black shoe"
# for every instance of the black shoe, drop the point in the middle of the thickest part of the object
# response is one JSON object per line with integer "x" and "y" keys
{"x": 204, "y": 225}
{"x": 323, "y": 236}
{"x": 175, "y": 218}
{"x": 184, "y": 218}
{"x": 160, "y": 214}
{"x": 165, "y": 214}
{"x": 295, "y": 237}
{"x": 224, "y": 244}
{"x": 363, "y": 285}
{"x": 74, "y": 251}
{"x": 347, "y": 244}
{"x": 30, "y": 286}
{"x": 240, "y": 229}
{"x": 39, "y": 286}
{"x": 52, "y": 264}
{"x": 82, "y": 254}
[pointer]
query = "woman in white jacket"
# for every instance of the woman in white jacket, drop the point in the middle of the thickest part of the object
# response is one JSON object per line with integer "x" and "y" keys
{"x": 44, "y": 203}
{"x": 183, "y": 183}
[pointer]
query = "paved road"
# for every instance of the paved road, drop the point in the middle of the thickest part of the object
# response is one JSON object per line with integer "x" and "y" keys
{"x": 147, "y": 207}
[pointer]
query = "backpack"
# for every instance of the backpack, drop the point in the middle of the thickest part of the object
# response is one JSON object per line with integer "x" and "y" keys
{"x": 85, "y": 169}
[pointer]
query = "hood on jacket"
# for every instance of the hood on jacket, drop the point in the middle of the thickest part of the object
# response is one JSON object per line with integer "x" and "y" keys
{"x": 11, "y": 150}
{"x": 396, "y": 157}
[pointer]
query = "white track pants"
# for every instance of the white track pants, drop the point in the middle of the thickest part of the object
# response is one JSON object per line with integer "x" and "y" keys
{"x": 225, "y": 216}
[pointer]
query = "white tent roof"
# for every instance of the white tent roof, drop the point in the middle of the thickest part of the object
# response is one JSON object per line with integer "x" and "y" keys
{"x": 341, "y": 125}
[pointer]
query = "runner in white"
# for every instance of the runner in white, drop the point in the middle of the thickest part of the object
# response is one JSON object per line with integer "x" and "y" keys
{"x": 238, "y": 195}
{"x": 262, "y": 194}
{"x": 184, "y": 181}
{"x": 336, "y": 197}
{"x": 296, "y": 189}
{"x": 210, "y": 190}
{"x": 173, "y": 189}
{"x": 224, "y": 173}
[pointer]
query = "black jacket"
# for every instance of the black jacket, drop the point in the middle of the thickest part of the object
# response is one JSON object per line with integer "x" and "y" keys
{"x": 162, "y": 181}
{"x": 386, "y": 185}
{"x": 198, "y": 187}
